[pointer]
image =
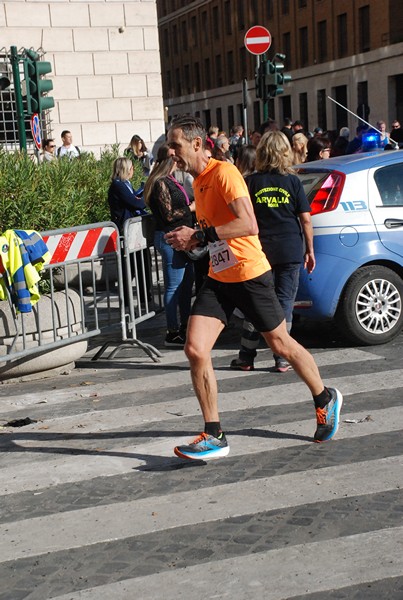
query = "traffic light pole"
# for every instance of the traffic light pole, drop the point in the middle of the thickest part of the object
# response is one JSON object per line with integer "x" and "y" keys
{"x": 269, "y": 79}
{"x": 18, "y": 98}
{"x": 261, "y": 68}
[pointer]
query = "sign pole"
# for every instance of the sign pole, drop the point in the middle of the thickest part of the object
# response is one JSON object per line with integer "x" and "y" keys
{"x": 258, "y": 41}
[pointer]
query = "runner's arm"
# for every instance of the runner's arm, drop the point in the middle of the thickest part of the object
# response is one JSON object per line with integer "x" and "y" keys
{"x": 244, "y": 224}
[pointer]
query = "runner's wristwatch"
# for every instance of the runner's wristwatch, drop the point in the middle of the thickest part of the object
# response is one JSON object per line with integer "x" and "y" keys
{"x": 200, "y": 236}
{"x": 205, "y": 235}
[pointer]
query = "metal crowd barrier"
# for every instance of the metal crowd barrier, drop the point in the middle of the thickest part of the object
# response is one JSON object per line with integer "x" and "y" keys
{"x": 141, "y": 284}
{"x": 94, "y": 268}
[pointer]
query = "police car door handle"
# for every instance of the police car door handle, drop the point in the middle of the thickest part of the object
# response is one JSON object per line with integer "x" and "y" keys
{"x": 393, "y": 223}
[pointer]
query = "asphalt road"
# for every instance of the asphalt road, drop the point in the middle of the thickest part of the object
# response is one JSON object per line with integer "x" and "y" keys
{"x": 95, "y": 506}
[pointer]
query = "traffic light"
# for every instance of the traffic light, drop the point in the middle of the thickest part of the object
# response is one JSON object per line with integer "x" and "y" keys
{"x": 35, "y": 86}
{"x": 270, "y": 79}
{"x": 275, "y": 78}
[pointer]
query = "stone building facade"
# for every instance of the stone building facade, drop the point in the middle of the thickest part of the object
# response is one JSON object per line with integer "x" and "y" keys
{"x": 349, "y": 50}
{"x": 106, "y": 65}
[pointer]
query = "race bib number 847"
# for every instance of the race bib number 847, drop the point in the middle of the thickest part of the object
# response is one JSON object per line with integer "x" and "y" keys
{"x": 221, "y": 256}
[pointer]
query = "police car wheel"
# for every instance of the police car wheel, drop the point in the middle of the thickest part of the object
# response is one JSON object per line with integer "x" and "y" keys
{"x": 370, "y": 311}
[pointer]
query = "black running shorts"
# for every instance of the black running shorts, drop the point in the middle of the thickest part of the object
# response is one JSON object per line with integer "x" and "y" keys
{"x": 256, "y": 298}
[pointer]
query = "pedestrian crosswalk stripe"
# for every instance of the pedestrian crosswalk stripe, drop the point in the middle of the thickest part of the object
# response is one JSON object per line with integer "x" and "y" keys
{"x": 285, "y": 573}
{"x": 97, "y": 524}
{"x": 251, "y": 398}
{"x": 98, "y": 490}
{"x": 155, "y": 380}
{"x": 36, "y": 474}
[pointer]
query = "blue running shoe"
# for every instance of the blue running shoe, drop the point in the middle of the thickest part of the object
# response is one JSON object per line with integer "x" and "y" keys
{"x": 327, "y": 418}
{"x": 204, "y": 447}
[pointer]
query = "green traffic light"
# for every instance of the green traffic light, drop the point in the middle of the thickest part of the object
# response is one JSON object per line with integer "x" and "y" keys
{"x": 35, "y": 86}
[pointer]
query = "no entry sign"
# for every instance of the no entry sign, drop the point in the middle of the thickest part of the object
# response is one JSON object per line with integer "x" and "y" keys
{"x": 257, "y": 40}
{"x": 36, "y": 130}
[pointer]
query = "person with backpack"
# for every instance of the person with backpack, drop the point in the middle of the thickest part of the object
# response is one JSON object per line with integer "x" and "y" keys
{"x": 68, "y": 149}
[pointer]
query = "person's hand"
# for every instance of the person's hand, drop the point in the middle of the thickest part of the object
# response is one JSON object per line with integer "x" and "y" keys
{"x": 309, "y": 261}
{"x": 181, "y": 238}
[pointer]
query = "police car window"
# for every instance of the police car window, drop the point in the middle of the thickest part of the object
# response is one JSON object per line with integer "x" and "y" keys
{"x": 312, "y": 182}
{"x": 389, "y": 181}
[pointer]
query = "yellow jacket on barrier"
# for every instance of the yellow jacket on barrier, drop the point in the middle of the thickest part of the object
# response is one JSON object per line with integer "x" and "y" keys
{"x": 22, "y": 255}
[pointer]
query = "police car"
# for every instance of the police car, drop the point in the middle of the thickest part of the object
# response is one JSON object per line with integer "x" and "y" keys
{"x": 357, "y": 216}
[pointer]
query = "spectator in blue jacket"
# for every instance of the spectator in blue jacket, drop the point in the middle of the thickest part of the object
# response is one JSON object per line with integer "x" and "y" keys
{"x": 124, "y": 202}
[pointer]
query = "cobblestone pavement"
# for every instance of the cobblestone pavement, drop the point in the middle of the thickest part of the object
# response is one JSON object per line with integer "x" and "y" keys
{"x": 95, "y": 506}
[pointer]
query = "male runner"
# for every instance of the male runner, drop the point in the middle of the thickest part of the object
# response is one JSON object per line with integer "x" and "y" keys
{"x": 239, "y": 277}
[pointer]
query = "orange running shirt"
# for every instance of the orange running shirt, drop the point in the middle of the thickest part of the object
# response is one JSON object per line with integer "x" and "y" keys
{"x": 217, "y": 186}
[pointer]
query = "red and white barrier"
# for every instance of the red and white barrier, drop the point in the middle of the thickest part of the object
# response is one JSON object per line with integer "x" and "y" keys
{"x": 73, "y": 245}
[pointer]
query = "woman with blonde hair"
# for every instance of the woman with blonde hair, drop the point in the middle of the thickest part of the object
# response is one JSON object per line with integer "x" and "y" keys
{"x": 283, "y": 216}
{"x": 299, "y": 143}
{"x": 124, "y": 201}
{"x": 170, "y": 206}
{"x": 137, "y": 151}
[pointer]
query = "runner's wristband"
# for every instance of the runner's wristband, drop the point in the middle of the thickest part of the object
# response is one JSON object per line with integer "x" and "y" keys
{"x": 210, "y": 234}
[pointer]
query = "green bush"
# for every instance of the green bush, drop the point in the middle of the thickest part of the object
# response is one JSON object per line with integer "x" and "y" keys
{"x": 57, "y": 194}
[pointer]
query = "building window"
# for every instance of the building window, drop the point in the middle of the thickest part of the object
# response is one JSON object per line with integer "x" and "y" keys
{"x": 342, "y": 41}
{"x": 206, "y": 118}
{"x": 243, "y": 61}
{"x": 207, "y": 73}
{"x": 218, "y": 118}
{"x": 163, "y": 8}
{"x": 362, "y": 100}
{"x": 269, "y": 5}
{"x": 302, "y": 3}
{"x": 184, "y": 35}
{"x": 285, "y": 7}
{"x": 166, "y": 42}
{"x": 175, "y": 37}
{"x": 321, "y": 104}
{"x": 197, "y": 81}
{"x": 216, "y": 22}
{"x": 322, "y": 41}
{"x": 363, "y": 20}
{"x": 228, "y": 18}
{"x": 177, "y": 83}
{"x": 255, "y": 10}
{"x": 169, "y": 84}
{"x": 230, "y": 67}
{"x": 285, "y": 104}
{"x": 187, "y": 85}
{"x": 218, "y": 70}
{"x": 231, "y": 121}
{"x": 339, "y": 93}
{"x": 241, "y": 14}
{"x": 205, "y": 28}
{"x": 303, "y": 44}
{"x": 287, "y": 49}
{"x": 303, "y": 110}
{"x": 193, "y": 22}
{"x": 239, "y": 108}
